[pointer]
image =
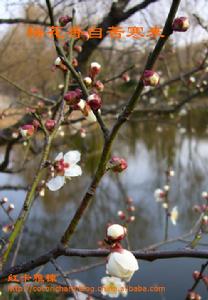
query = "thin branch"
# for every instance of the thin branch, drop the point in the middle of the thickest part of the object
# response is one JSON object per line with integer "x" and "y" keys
{"x": 23, "y": 21}
{"x": 21, "y": 89}
{"x": 62, "y": 251}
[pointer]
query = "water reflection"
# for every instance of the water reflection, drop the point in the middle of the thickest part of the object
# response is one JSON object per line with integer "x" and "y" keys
{"x": 150, "y": 147}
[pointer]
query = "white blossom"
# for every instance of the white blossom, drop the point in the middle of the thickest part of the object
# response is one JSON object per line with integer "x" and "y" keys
{"x": 113, "y": 287}
{"x": 122, "y": 264}
{"x": 65, "y": 167}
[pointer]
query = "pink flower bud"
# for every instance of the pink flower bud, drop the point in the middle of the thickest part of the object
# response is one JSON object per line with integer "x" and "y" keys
{"x": 197, "y": 208}
{"x": 204, "y": 195}
{"x": 36, "y": 124}
{"x": 34, "y": 90}
{"x": 78, "y": 48}
{"x": 7, "y": 228}
{"x": 118, "y": 164}
{"x": 41, "y": 104}
{"x": 74, "y": 62}
{"x": 94, "y": 69}
{"x": 196, "y": 275}
{"x": 121, "y": 215}
{"x": 50, "y": 124}
{"x": 131, "y": 219}
{"x": 85, "y": 36}
{"x": 73, "y": 97}
{"x": 99, "y": 85}
{"x": 10, "y": 208}
{"x": 150, "y": 78}
{"x": 129, "y": 200}
{"x": 59, "y": 63}
{"x": 94, "y": 101}
{"x": 27, "y": 130}
{"x": 180, "y": 24}
{"x": 203, "y": 207}
{"x": 125, "y": 77}
{"x": 64, "y": 20}
{"x": 4, "y": 200}
{"x": 131, "y": 208}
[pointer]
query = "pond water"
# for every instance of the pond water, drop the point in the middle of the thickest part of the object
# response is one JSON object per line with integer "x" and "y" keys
{"x": 150, "y": 147}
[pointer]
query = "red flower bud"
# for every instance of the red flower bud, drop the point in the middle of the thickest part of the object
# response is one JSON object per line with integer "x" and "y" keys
{"x": 64, "y": 20}
{"x": 94, "y": 101}
{"x": 180, "y": 24}
{"x": 99, "y": 85}
{"x": 78, "y": 48}
{"x": 196, "y": 275}
{"x": 118, "y": 164}
{"x": 150, "y": 78}
{"x": 121, "y": 215}
{"x": 85, "y": 36}
{"x": 73, "y": 97}
{"x": 27, "y": 130}
{"x": 50, "y": 124}
{"x": 94, "y": 69}
{"x": 125, "y": 77}
{"x": 74, "y": 62}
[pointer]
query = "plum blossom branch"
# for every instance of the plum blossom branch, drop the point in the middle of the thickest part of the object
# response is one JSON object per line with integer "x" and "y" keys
{"x": 75, "y": 74}
{"x": 167, "y": 31}
{"x": 70, "y": 252}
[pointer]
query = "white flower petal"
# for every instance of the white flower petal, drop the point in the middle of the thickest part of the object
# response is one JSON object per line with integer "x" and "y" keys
{"x": 91, "y": 117}
{"x": 56, "y": 183}
{"x": 59, "y": 156}
{"x": 73, "y": 171}
{"x": 72, "y": 157}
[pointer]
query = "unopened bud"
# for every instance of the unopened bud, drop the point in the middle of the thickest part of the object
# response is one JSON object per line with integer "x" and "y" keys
{"x": 10, "y": 208}
{"x": 118, "y": 164}
{"x": 94, "y": 69}
{"x": 78, "y": 48}
{"x": 50, "y": 124}
{"x": 181, "y": 24}
{"x": 87, "y": 81}
{"x": 121, "y": 215}
{"x": 125, "y": 77}
{"x": 64, "y": 20}
{"x": 85, "y": 36}
{"x": 27, "y": 130}
{"x": 99, "y": 85}
{"x": 150, "y": 78}
{"x": 4, "y": 200}
{"x": 116, "y": 232}
{"x": 94, "y": 101}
